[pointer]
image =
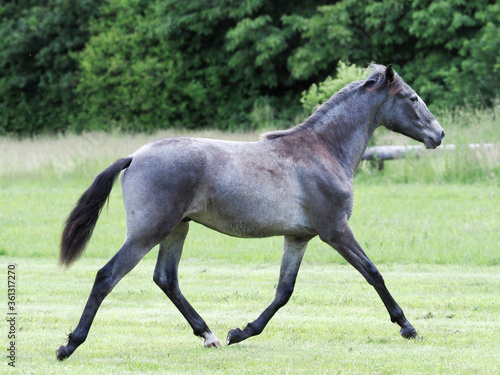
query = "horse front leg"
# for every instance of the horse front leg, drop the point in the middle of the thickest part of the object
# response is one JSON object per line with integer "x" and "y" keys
{"x": 342, "y": 240}
{"x": 293, "y": 252}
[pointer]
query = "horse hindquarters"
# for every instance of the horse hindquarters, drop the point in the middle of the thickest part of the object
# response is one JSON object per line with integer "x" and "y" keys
{"x": 147, "y": 225}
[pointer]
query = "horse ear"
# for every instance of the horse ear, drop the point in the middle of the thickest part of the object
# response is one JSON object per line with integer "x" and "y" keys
{"x": 389, "y": 73}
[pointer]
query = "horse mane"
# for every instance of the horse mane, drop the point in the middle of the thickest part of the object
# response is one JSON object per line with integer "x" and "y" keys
{"x": 377, "y": 80}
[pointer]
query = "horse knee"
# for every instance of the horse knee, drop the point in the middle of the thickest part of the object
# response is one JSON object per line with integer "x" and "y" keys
{"x": 374, "y": 277}
{"x": 160, "y": 279}
{"x": 157, "y": 278}
{"x": 167, "y": 284}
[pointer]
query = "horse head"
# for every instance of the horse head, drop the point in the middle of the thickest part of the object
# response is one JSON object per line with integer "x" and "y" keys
{"x": 403, "y": 111}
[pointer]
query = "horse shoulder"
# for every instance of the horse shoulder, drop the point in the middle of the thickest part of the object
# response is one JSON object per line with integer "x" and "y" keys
{"x": 330, "y": 192}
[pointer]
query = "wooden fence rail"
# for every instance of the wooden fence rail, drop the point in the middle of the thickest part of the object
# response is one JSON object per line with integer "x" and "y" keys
{"x": 378, "y": 154}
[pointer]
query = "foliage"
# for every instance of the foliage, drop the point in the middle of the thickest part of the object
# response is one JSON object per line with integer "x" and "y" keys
{"x": 183, "y": 63}
{"x": 461, "y": 60}
{"x": 320, "y": 93}
{"x": 38, "y": 74}
{"x": 128, "y": 73}
{"x": 446, "y": 49}
{"x": 147, "y": 64}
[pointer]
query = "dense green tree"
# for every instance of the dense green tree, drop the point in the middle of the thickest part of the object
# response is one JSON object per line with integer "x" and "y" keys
{"x": 447, "y": 68}
{"x": 37, "y": 72}
{"x": 146, "y": 64}
{"x": 127, "y": 74}
{"x": 166, "y": 63}
{"x": 446, "y": 49}
{"x": 155, "y": 64}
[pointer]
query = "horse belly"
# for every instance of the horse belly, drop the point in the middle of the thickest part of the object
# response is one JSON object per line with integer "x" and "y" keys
{"x": 254, "y": 215}
{"x": 250, "y": 228}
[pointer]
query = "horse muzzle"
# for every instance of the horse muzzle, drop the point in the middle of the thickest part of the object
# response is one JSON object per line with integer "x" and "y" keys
{"x": 435, "y": 136}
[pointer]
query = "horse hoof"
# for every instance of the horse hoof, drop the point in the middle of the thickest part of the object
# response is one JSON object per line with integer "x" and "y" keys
{"x": 215, "y": 344}
{"x": 234, "y": 336}
{"x": 61, "y": 353}
{"x": 211, "y": 341}
{"x": 409, "y": 333}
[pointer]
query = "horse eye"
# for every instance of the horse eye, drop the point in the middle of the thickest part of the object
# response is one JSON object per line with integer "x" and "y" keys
{"x": 414, "y": 98}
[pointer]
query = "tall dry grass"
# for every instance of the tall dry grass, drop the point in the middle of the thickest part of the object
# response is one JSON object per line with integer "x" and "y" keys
{"x": 62, "y": 155}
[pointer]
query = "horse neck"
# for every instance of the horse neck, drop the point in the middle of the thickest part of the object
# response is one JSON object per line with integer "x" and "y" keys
{"x": 346, "y": 128}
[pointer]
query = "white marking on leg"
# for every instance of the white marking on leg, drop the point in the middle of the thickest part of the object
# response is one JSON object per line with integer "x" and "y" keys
{"x": 211, "y": 340}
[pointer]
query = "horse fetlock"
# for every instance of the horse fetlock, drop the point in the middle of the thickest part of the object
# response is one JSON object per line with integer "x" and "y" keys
{"x": 211, "y": 341}
{"x": 77, "y": 337}
{"x": 74, "y": 340}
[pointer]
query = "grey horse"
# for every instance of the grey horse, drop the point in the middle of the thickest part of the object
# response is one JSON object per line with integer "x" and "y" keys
{"x": 296, "y": 183}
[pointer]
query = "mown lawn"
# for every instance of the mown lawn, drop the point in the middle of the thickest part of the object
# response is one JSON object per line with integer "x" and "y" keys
{"x": 334, "y": 323}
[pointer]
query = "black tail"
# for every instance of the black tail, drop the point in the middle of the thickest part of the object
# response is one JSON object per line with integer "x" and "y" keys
{"x": 81, "y": 222}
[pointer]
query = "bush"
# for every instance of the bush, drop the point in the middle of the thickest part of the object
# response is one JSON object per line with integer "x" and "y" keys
{"x": 317, "y": 94}
{"x": 128, "y": 73}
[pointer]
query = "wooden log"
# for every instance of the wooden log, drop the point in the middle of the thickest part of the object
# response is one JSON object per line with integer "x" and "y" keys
{"x": 378, "y": 154}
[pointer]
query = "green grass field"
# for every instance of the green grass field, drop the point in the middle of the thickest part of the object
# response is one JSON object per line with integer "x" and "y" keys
{"x": 434, "y": 238}
{"x": 334, "y": 323}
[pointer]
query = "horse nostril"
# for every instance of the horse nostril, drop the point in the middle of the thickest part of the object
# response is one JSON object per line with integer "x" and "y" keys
{"x": 443, "y": 134}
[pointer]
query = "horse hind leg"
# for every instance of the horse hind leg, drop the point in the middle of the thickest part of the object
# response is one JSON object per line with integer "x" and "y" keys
{"x": 107, "y": 277}
{"x": 165, "y": 276}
